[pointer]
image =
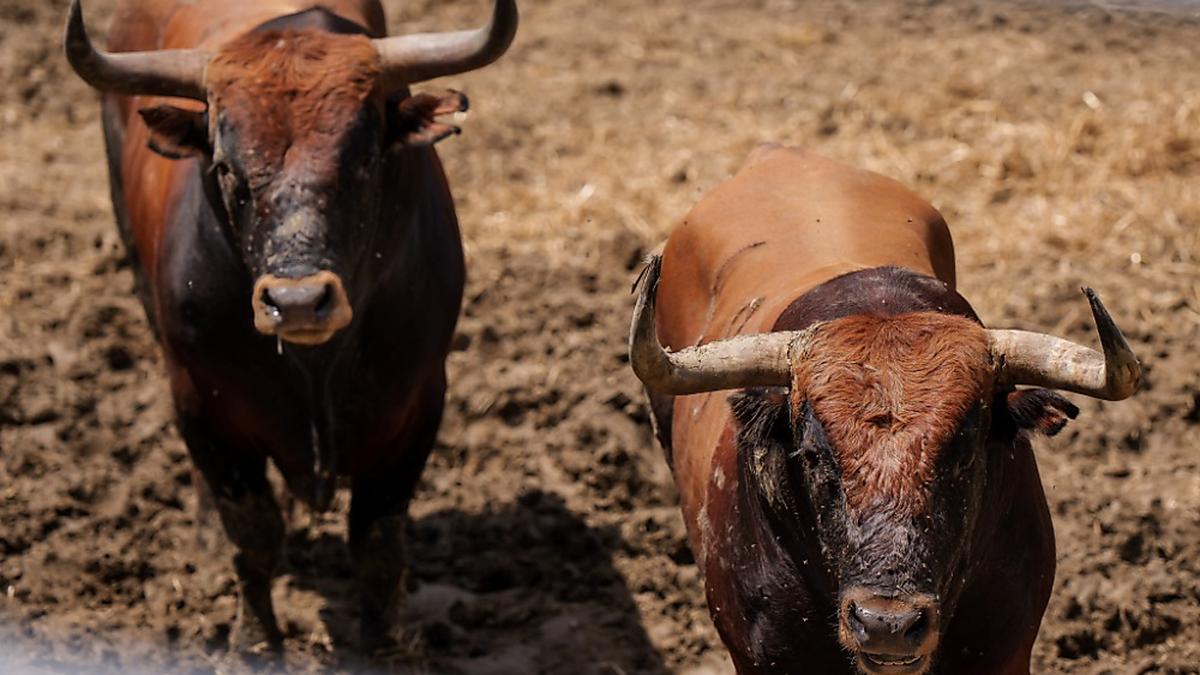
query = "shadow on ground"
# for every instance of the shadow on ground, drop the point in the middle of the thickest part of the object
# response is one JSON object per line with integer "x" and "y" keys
{"x": 526, "y": 588}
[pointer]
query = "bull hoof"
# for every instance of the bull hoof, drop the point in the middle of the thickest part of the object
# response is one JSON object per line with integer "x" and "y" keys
{"x": 260, "y": 657}
{"x": 254, "y": 641}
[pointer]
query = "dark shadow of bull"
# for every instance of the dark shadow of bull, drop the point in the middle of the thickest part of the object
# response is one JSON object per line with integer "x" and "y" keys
{"x": 527, "y": 588}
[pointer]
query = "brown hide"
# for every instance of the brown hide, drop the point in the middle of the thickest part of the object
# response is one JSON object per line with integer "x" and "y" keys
{"x": 787, "y": 222}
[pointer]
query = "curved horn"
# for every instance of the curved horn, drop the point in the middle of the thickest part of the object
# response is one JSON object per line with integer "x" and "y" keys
{"x": 168, "y": 72}
{"x": 1046, "y": 361}
{"x": 743, "y": 361}
{"x": 408, "y": 59}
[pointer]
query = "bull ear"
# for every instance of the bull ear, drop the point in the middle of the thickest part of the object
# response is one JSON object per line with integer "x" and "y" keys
{"x": 177, "y": 133}
{"x": 413, "y": 122}
{"x": 761, "y": 411}
{"x": 1040, "y": 410}
{"x": 763, "y": 442}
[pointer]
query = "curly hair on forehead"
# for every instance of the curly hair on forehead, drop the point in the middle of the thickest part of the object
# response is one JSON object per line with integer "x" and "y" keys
{"x": 292, "y": 95}
{"x": 891, "y": 392}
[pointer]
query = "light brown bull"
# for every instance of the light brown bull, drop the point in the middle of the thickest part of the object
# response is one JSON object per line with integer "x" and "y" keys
{"x": 868, "y": 500}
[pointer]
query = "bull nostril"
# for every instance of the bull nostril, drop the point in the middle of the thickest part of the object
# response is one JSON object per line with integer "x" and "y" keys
{"x": 916, "y": 632}
{"x": 269, "y": 302}
{"x": 325, "y": 302}
{"x": 856, "y": 620}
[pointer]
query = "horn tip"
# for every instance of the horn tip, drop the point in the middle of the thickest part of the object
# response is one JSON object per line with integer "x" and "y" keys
{"x": 1124, "y": 365}
{"x": 651, "y": 269}
{"x": 75, "y": 25}
{"x": 1099, "y": 311}
{"x": 76, "y": 42}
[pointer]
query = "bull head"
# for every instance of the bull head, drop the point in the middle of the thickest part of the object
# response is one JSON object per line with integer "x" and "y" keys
{"x": 294, "y": 143}
{"x": 866, "y": 439}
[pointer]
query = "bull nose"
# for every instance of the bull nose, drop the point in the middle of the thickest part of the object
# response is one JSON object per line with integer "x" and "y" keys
{"x": 310, "y": 299}
{"x": 881, "y": 630}
{"x": 306, "y": 310}
{"x": 890, "y": 630}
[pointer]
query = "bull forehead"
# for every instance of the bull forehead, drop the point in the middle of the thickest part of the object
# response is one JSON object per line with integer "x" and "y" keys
{"x": 290, "y": 98}
{"x": 891, "y": 392}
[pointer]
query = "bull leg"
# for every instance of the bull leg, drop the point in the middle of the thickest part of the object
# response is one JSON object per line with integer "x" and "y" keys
{"x": 239, "y": 489}
{"x": 377, "y": 553}
{"x": 378, "y": 516}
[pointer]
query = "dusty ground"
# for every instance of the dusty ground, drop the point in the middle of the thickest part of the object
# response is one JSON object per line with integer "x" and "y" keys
{"x": 1063, "y": 146}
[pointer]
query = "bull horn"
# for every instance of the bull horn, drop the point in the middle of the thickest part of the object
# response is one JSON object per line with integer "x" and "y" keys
{"x": 744, "y": 361}
{"x": 1043, "y": 360}
{"x": 408, "y": 59}
{"x": 167, "y": 72}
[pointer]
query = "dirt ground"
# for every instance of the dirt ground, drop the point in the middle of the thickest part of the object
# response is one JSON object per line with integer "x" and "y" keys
{"x": 1063, "y": 145}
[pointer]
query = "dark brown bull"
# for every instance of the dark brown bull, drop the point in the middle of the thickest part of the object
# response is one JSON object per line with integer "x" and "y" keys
{"x": 869, "y": 499}
{"x": 297, "y": 253}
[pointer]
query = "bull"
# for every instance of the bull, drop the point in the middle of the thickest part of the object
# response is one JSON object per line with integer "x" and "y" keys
{"x": 297, "y": 253}
{"x": 867, "y": 499}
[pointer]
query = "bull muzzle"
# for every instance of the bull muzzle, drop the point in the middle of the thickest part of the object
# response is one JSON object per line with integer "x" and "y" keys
{"x": 889, "y": 634}
{"x": 307, "y": 310}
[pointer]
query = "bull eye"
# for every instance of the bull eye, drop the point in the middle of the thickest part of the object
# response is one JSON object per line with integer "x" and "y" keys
{"x": 226, "y": 178}
{"x": 235, "y": 193}
{"x": 221, "y": 170}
